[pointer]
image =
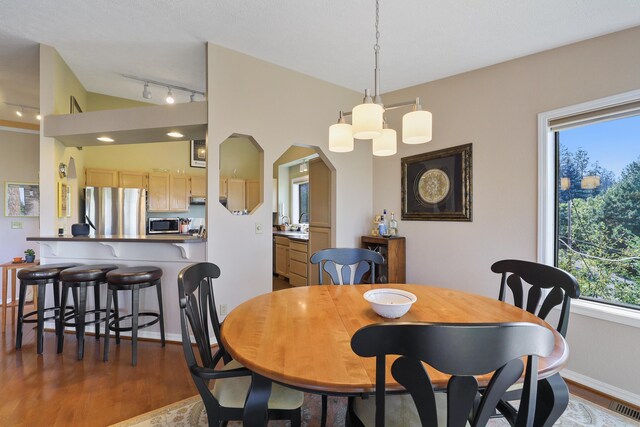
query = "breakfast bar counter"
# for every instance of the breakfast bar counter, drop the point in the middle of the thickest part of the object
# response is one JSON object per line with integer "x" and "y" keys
{"x": 169, "y": 252}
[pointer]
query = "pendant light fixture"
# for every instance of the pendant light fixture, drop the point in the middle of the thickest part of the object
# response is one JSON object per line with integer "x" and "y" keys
{"x": 368, "y": 119}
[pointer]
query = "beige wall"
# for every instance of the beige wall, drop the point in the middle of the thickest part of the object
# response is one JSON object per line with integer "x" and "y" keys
{"x": 496, "y": 108}
{"x": 279, "y": 108}
{"x": 18, "y": 163}
{"x": 171, "y": 156}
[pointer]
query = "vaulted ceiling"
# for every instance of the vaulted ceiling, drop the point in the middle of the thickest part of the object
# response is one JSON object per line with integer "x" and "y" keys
{"x": 420, "y": 40}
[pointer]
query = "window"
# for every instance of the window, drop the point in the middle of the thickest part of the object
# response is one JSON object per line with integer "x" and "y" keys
{"x": 589, "y": 210}
{"x": 300, "y": 200}
{"x": 598, "y": 209}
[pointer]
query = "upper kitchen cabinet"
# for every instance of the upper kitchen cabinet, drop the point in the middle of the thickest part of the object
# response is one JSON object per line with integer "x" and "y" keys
{"x": 132, "y": 179}
{"x": 168, "y": 193}
{"x": 198, "y": 186}
{"x": 241, "y": 170}
{"x": 100, "y": 178}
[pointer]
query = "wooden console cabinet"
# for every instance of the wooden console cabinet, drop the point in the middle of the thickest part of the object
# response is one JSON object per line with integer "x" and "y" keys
{"x": 394, "y": 252}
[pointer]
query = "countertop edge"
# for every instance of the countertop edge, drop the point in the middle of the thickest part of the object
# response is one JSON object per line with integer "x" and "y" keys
{"x": 126, "y": 239}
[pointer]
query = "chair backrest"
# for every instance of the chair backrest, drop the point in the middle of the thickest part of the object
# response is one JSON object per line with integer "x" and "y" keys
{"x": 563, "y": 286}
{"x": 197, "y": 306}
{"x": 346, "y": 266}
{"x": 461, "y": 350}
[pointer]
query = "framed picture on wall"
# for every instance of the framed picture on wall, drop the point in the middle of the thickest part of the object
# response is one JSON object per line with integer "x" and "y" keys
{"x": 64, "y": 200}
{"x": 21, "y": 199}
{"x": 198, "y": 153}
{"x": 436, "y": 186}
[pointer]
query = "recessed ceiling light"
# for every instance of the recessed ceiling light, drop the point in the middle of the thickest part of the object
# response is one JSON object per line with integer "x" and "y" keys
{"x": 105, "y": 139}
{"x": 175, "y": 135}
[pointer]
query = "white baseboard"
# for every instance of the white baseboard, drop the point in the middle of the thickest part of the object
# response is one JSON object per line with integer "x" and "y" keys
{"x": 602, "y": 387}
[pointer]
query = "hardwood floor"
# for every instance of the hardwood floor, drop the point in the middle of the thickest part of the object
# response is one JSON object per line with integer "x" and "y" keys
{"x": 58, "y": 390}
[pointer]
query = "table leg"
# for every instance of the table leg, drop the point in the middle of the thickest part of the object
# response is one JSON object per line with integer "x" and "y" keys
{"x": 553, "y": 399}
{"x": 256, "y": 405}
{"x": 5, "y": 276}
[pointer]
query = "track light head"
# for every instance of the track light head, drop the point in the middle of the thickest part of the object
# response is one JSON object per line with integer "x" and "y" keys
{"x": 192, "y": 98}
{"x": 169, "y": 98}
{"x": 38, "y": 116}
{"x": 19, "y": 112}
{"x": 146, "y": 93}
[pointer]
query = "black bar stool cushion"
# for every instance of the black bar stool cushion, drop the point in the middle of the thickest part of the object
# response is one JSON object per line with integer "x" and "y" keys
{"x": 86, "y": 273}
{"x": 134, "y": 275}
{"x": 43, "y": 272}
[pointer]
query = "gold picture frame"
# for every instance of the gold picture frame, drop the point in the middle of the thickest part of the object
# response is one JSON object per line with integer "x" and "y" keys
{"x": 64, "y": 200}
{"x": 437, "y": 186}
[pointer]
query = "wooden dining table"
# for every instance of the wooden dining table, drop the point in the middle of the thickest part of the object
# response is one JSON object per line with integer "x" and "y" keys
{"x": 301, "y": 338}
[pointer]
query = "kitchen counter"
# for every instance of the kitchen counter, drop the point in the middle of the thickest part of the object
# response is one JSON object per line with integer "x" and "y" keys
{"x": 294, "y": 235}
{"x": 153, "y": 238}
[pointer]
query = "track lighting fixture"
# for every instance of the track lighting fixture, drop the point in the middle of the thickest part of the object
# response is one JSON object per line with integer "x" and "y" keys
{"x": 146, "y": 92}
{"x": 20, "y": 110}
{"x": 169, "y": 97}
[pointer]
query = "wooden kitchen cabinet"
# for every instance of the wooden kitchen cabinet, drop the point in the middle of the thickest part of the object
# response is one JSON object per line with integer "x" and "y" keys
{"x": 179, "y": 193}
{"x": 235, "y": 194}
{"x": 252, "y": 193}
{"x": 198, "y": 186}
{"x": 393, "y": 249}
{"x": 319, "y": 194}
{"x": 131, "y": 179}
{"x": 168, "y": 193}
{"x": 298, "y": 263}
{"x": 100, "y": 178}
{"x": 282, "y": 256}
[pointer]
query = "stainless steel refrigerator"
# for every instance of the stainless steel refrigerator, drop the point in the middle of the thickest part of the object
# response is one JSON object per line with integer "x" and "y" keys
{"x": 112, "y": 211}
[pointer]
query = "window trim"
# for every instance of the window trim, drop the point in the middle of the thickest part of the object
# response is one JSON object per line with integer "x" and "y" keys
{"x": 546, "y": 201}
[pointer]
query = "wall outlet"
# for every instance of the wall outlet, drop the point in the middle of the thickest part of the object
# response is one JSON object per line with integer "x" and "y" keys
{"x": 16, "y": 224}
{"x": 223, "y": 309}
{"x": 258, "y": 228}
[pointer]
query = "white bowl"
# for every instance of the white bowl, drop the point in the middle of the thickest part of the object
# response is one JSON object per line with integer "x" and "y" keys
{"x": 390, "y": 303}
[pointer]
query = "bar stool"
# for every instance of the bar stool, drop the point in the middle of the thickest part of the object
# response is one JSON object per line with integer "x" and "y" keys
{"x": 132, "y": 279}
{"x": 40, "y": 276}
{"x": 80, "y": 278}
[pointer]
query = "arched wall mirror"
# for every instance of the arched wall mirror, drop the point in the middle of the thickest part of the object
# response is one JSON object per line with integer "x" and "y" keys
{"x": 241, "y": 166}
{"x": 302, "y": 214}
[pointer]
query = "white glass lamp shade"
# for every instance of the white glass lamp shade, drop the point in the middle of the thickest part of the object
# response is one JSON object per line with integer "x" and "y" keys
{"x": 385, "y": 145}
{"x": 340, "y": 138}
{"x": 590, "y": 182}
{"x": 416, "y": 127}
{"x": 367, "y": 121}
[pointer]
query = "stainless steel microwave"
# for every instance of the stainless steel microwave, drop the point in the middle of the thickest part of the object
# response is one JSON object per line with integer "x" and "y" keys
{"x": 163, "y": 225}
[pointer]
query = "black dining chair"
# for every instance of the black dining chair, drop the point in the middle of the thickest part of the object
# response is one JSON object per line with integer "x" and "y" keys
{"x": 462, "y": 350}
{"x": 225, "y": 401}
{"x": 560, "y": 288}
{"x": 345, "y": 266}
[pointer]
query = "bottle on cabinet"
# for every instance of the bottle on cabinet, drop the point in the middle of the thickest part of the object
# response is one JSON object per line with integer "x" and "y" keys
{"x": 383, "y": 228}
{"x": 393, "y": 225}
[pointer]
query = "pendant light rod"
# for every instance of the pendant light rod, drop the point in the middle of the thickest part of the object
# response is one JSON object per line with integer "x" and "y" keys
{"x": 415, "y": 104}
{"x": 376, "y": 49}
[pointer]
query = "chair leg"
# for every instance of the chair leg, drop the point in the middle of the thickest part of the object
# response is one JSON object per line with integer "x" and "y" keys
{"x": 105, "y": 354}
{"x": 161, "y": 314}
{"x": 296, "y": 417}
{"x": 76, "y": 298}
{"x": 40, "y": 330}
{"x": 323, "y": 419}
{"x": 135, "y": 300}
{"x": 96, "y": 317}
{"x": 117, "y": 315}
{"x": 81, "y": 319}
{"x": 58, "y": 311}
{"x": 21, "y": 298}
{"x": 63, "y": 304}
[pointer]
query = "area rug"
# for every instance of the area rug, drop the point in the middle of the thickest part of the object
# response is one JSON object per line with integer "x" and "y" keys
{"x": 190, "y": 412}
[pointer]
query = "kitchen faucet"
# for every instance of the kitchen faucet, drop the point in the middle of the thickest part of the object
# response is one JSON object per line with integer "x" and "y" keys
{"x": 301, "y": 215}
{"x": 283, "y": 221}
